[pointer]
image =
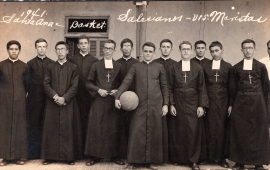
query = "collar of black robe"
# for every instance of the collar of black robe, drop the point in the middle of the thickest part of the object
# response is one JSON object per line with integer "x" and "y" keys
{"x": 200, "y": 58}
{"x": 127, "y": 58}
{"x": 147, "y": 62}
{"x": 84, "y": 54}
{"x": 167, "y": 58}
{"x": 13, "y": 60}
{"x": 62, "y": 63}
{"x": 41, "y": 58}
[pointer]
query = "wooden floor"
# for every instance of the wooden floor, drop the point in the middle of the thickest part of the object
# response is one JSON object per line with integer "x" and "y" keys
{"x": 104, "y": 165}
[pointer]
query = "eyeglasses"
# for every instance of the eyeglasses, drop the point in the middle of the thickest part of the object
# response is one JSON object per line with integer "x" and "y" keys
{"x": 248, "y": 48}
{"x": 60, "y": 49}
{"x": 268, "y": 48}
{"x": 185, "y": 49}
{"x": 109, "y": 49}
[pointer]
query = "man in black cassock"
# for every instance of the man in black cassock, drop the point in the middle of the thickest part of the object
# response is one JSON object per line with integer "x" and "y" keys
{"x": 188, "y": 98}
{"x": 166, "y": 47}
{"x": 249, "y": 87}
{"x": 217, "y": 78}
{"x": 127, "y": 61}
{"x": 13, "y": 89}
{"x": 102, "y": 139}
{"x": 62, "y": 129}
{"x": 200, "y": 48}
{"x": 146, "y": 143}
{"x": 36, "y": 99}
{"x": 84, "y": 60}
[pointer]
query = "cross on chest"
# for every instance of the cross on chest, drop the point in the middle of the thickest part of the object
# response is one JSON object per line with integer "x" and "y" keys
{"x": 185, "y": 76}
{"x": 250, "y": 77}
{"x": 216, "y": 75}
{"x": 108, "y": 76}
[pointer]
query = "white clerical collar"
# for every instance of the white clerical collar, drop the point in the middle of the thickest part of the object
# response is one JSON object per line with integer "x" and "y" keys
{"x": 165, "y": 58}
{"x": 126, "y": 58}
{"x": 147, "y": 62}
{"x": 248, "y": 64}
{"x": 185, "y": 65}
{"x": 200, "y": 58}
{"x": 108, "y": 64}
{"x": 13, "y": 60}
{"x": 41, "y": 57}
{"x": 84, "y": 54}
{"x": 62, "y": 62}
{"x": 216, "y": 64}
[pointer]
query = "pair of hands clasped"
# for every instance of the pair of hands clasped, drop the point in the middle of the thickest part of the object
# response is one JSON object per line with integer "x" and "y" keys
{"x": 59, "y": 100}
{"x": 104, "y": 93}
{"x": 164, "y": 108}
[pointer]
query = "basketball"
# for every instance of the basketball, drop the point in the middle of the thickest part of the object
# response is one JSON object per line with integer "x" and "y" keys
{"x": 129, "y": 100}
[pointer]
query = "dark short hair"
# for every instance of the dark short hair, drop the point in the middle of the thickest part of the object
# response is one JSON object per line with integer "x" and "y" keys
{"x": 82, "y": 37}
{"x": 199, "y": 42}
{"x": 126, "y": 40}
{"x": 149, "y": 44}
{"x": 11, "y": 42}
{"x": 185, "y": 42}
{"x": 61, "y": 43}
{"x": 111, "y": 42}
{"x": 268, "y": 43}
{"x": 248, "y": 41}
{"x": 215, "y": 43}
{"x": 165, "y": 40}
{"x": 40, "y": 40}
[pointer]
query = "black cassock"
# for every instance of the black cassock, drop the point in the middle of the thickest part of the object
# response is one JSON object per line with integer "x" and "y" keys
{"x": 102, "y": 139}
{"x": 201, "y": 62}
{"x": 249, "y": 124}
{"x": 125, "y": 115}
{"x": 186, "y": 130}
{"x": 35, "y": 105}
{"x": 84, "y": 99}
{"x": 13, "y": 89}
{"x": 217, "y": 85}
{"x": 62, "y": 129}
{"x": 146, "y": 131}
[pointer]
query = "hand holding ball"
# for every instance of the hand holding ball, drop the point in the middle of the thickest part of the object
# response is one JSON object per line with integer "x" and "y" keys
{"x": 129, "y": 100}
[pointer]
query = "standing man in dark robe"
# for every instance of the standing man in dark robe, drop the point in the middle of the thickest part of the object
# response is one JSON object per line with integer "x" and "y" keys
{"x": 127, "y": 61}
{"x": 145, "y": 145}
{"x": 166, "y": 47}
{"x": 102, "y": 139}
{"x": 84, "y": 60}
{"x": 188, "y": 98}
{"x": 200, "y": 48}
{"x": 13, "y": 89}
{"x": 36, "y": 99}
{"x": 249, "y": 87}
{"x": 217, "y": 78}
{"x": 62, "y": 129}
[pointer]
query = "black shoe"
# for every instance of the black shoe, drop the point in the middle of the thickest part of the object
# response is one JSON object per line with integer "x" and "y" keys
{"x": 92, "y": 161}
{"x": 19, "y": 162}
{"x": 118, "y": 161}
{"x": 224, "y": 164}
{"x": 4, "y": 162}
{"x": 259, "y": 167}
{"x": 238, "y": 166}
{"x": 195, "y": 166}
{"x": 130, "y": 166}
{"x": 46, "y": 162}
{"x": 70, "y": 162}
{"x": 152, "y": 167}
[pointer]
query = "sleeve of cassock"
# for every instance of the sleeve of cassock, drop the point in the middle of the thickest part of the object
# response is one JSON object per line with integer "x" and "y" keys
{"x": 164, "y": 86}
{"x": 171, "y": 84}
{"x": 265, "y": 89}
{"x": 91, "y": 80}
{"x": 73, "y": 88}
{"x": 126, "y": 82}
{"x": 26, "y": 77}
{"x": 47, "y": 84}
{"x": 203, "y": 98}
{"x": 233, "y": 85}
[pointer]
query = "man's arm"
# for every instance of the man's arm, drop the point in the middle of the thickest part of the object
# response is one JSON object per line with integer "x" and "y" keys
{"x": 73, "y": 85}
{"x": 47, "y": 84}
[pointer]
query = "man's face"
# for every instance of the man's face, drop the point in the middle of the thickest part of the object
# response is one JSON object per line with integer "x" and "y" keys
{"x": 200, "y": 50}
{"x": 108, "y": 50}
{"x": 186, "y": 52}
{"x": 83, "y": 45}
{"x": 13, "y": 51}
{"x": 216, "y": 52}
{"x": 126, "y": 49}
{"x": 166, "y": 49}
{"x": 61, "y": 52}
{"x": 148, "y": 53}
{"x": 268, "y": 49}
{"x": 41, "y": 48}
{"x": 248, "y": 50}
